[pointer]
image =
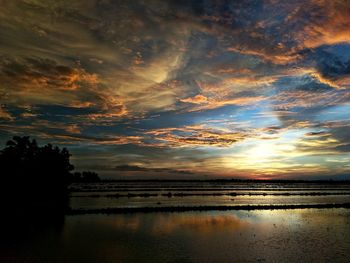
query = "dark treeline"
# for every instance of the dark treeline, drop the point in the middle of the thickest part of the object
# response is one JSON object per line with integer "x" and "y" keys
{"x": 85, "y": 177}
{"x": 34, "y": 176}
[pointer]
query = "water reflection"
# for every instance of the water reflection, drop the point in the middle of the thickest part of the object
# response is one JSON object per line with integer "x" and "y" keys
{"x": 308, "y": 235}
{"x": 30, "y": 236}
{"x": 161, "y": 194}
{"x": 199, "y": 224}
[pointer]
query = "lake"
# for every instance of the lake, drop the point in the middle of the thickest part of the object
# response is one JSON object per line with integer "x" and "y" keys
{"x": 259, "y": 235}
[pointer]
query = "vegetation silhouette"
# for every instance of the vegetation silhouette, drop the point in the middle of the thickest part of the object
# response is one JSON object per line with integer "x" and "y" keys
{"x": 85, "y": 177}
{"x": 35, "y": 177}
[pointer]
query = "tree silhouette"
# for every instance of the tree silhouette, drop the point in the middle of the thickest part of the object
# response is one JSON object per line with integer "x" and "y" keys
{"x": 34, "y": 175}
{"x": 86, "y": 177}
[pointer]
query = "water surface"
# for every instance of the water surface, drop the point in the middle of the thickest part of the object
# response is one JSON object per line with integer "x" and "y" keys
{"x": 299, "y": 235}
{"x": 170, "y": 194}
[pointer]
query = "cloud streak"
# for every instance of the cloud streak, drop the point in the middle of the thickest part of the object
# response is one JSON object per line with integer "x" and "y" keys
{"x": 188, "y": 85}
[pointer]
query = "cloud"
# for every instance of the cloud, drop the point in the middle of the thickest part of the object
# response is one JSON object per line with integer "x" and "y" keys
{"x": 197, "y": 135}
{"x": 343, "y": 147}
{"x": 135, "y": 168}
{"x": 34, "y": 81}
{"x": 4, "y": 114}
{"x": 332, "y": 28}
{"x": 182, "y": 83}
{"x": 277, "y": 59}
{"x": 317, "y": 134}
{"x": 63, "y": 133}
{"x": 198, "y": 99}
{"x": 32, "y": 73}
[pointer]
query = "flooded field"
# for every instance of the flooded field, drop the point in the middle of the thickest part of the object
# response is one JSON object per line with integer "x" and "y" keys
{"x": 195, "y": 194}
{"x": 305, "y": 235}
{"x": 285, "y": 223}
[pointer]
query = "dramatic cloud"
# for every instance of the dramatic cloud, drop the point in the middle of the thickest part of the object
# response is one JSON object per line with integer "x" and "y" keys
{"x": 181, "y": 88}
{"x": 190, "y": 136}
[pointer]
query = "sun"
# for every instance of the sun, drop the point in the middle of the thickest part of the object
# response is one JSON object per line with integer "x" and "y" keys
{"x": 261, "y": 153}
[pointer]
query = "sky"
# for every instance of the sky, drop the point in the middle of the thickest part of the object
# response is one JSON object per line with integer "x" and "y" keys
{"x": 183, "y": 89}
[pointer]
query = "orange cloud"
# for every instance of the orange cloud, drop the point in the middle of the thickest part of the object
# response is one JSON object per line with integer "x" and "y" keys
{"x": 282, "y": 58}
{"x": 4, "y": 114}
{"x": 241, "y": 71}
{"x": 195, "y": 135}
{"x": 198, "y": 99}
{"x": 33, "y": 74}
{"x": 298, "y": 98}
{"x": 214, "y": 103}
{"x": 74, "y": 128}
{"x": 335, "y": 29}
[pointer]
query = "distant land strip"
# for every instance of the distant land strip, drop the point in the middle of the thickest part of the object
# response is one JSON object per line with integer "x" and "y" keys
{"x": 125, "y": 210}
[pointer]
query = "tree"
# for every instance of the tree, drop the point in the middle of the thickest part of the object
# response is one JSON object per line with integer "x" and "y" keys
{"x": 33, "y": 174}
{"x": 86, "y": 177}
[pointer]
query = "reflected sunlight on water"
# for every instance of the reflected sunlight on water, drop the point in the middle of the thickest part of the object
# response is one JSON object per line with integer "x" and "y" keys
{"x": 300, "y": 235}
{"x": 165, "y": 194}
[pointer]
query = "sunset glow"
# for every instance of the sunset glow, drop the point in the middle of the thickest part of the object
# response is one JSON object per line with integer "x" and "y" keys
{"x": 181, "y": 89}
